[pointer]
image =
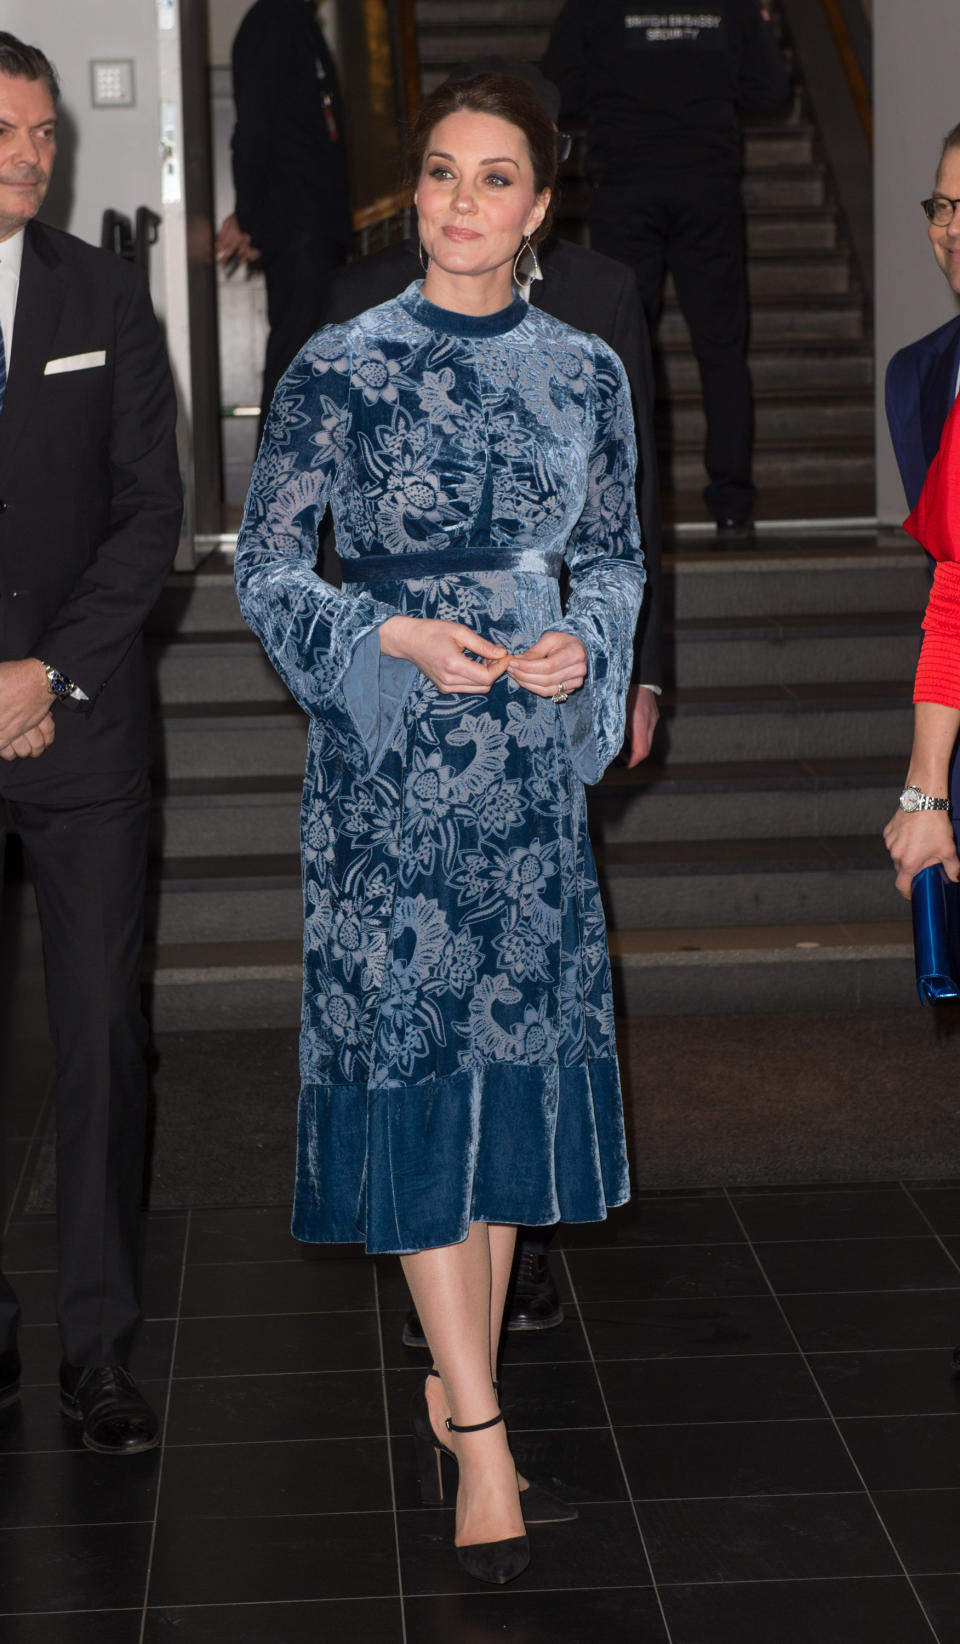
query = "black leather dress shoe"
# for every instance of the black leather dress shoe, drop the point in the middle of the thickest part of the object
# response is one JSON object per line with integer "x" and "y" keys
{"x": 117, "y": 1420}
{"x": 9, "y": 1377}
{"x": 735, "y": 533}
{"x": 533, "y": 1303}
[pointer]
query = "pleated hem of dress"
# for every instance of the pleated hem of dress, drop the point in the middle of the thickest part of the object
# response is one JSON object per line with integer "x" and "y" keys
{"x": 408, "y": 1168}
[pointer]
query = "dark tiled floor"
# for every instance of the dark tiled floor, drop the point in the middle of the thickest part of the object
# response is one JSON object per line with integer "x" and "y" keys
{"x": 750, "y": 1400}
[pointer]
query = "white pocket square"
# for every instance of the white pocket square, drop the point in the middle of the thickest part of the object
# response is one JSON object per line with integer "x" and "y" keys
{"x": 75, "y": 362}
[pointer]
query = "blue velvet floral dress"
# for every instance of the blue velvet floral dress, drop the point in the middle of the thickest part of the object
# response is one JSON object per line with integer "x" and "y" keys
{"x": 458, "y": 1061}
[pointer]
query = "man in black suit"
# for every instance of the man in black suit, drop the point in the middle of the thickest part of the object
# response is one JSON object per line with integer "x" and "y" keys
{"x": 292, "y": 212}
{"x": 90, "y": 504}
{"x": 596, "y": 294}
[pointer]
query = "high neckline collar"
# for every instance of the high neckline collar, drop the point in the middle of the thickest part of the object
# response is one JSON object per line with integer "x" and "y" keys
{"x": 461, "y": 325}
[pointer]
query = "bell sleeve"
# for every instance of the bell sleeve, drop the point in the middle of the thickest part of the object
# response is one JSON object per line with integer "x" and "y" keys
{"x": 323, "y": 641}
{"x": 605, "y": 561}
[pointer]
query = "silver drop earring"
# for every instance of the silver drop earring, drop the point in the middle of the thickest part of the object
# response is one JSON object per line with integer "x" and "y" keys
{"x": 424, "y": 259}
{"x": 536, "y": 272}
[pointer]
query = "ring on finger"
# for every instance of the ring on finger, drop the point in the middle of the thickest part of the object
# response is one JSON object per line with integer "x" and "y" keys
{"x": 560, "y": 694}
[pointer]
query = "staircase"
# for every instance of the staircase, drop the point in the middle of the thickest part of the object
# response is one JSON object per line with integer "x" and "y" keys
{"x": 742, "y": 866}
{"x": 811, "y": 350}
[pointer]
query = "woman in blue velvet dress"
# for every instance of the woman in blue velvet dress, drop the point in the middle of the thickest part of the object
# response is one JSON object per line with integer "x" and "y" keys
{"x": 459, "y": 1072}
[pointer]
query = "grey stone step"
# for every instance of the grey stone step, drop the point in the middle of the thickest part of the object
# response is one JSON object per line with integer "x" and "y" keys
{"x": 751, "y": 800}
{"x": 707, "y": 653}
{"x": 792, "y": 231}
{"x": 735, "y": 883}
{"x": 773, "y": 465}
{"x": 802, "y": 722}
{"x": 781, "y": 190}
{"x": 228, "y": 825}
{"x": 831, "y": 318}
{"x": 799, "y": 417}
{"x": 230, "y": 669}
{"x": 783, "y": 275}
{"x": 798, "y": 579}
{"x": 202, "y": 601}
{"x": 845, "y": 368}
{"x": 773, "y": 149}
{"x": 209, "y": 745}
{"x": 795, "y": 967}
{"x": 800, "y": 968}
{"x": 440, "y": 49}
{"x": 265, "y": 912}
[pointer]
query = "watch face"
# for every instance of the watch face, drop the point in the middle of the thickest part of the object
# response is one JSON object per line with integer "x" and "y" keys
{"x": 910, "y": 799}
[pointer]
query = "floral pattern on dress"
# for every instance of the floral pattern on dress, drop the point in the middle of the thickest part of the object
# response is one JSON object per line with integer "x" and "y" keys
{"x": 457, "y": 1050}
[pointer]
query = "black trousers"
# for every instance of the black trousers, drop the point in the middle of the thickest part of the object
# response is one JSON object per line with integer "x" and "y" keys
{"x": 696, "y": 231}
{"x": 298, "y": 284}
{"x": 88, "y": 863}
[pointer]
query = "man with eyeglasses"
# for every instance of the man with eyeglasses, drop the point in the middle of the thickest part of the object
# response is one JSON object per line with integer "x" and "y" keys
{"x": 923, "y": 378}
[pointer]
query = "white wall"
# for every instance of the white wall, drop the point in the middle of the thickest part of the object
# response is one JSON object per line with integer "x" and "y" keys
{"x": 916, "y": 101}
{"x": 108, "y": 157}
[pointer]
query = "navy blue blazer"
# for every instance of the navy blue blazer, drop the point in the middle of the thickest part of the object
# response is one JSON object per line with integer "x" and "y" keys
{"x": 921, "y": 386}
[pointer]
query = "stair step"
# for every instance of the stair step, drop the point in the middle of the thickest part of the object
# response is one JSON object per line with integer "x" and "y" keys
{"x": 707, "y": 652}
{"x": 207, "y": 744}
{"x": 439, "y": 50}
{"x": 844, "y": 369}
{"x": 226, "y": 669}
{"x": 838, "y": 318}
{"x": 799, "y": 722}
{"x": 203, "y": 601}
{"x": 781, "y": 465}
{"x": 433, "y": 14}
{"x": 799, "y": 417}
{"x": 800, "y": 579}
{"x": 229, "y": 825}
{"x": 792, "y": 231}
{"x": 747, "y": 800}
{"x": 782, "y": 190}
{"x": 804, "y": 966}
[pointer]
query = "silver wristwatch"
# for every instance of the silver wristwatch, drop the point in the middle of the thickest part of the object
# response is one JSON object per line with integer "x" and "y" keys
{"x": 913, "y": 799}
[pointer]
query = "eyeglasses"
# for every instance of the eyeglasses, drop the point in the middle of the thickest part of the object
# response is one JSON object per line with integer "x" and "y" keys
{"x": 939, "y": 209}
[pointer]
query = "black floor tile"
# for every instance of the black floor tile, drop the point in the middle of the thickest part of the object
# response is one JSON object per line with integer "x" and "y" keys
{"x": 238, "y": 1409}
{"x": 577, "y": 1464}
{"x": 664, "y": 1271}
{"x": 394, "y": 1296}
{"x": 925, "y": 1526}
{"x": 878, "y": 1611}
{"x": 244, "y": 1480}
{"x": 600, "y": 1549}
{"x": 765, "y": 1538}
{"x": 705, "y": 1218}
{"x": 625, "y": 1616}
{"x": 565, "y": 1343}
{"x": 736, "y": 1459}
{"x": 887, "y": 1384}
{"x": 368, "y": 1621}
{"x": 941, "y": 1206}
{"x": 885, "y": 1213}
{"x": 940, "y": 1597}
{"x": 725, "y": 1389}
{"x": 681, "y": 1329}
{"x": 73, "y": 1567}
{"x": 261, "y": 1288}
{"x": 859, "y": 1264}
{"x": 892, "y": 1319}
{"x": 41, "y": 1352}
{"x": 30, "y": 1242}
{"x": 292, "y": 1342}
{"x": 272, "y": 1560}
{"x": 96, "y": 1627}
{"x": 533, "y": 1397}
{"x": 906, "y": 1452}
{"x": 76, "y": 1487}
{"x": 241, "y": 1236}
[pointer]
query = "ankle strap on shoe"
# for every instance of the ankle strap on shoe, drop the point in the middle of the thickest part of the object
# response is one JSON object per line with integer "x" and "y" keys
{"x": 496, "y": 1386}
{"x": 478, "y": 1426}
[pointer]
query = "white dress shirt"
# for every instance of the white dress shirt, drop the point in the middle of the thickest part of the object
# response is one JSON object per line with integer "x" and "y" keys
{"x": 11, "y": 255}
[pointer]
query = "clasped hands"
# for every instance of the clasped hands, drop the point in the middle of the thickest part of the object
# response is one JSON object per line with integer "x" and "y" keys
{"x": 456, "y": 659}
{"x": 26, "y": 720}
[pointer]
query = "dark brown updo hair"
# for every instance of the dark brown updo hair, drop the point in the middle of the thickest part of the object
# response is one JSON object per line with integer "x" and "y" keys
{"x": 505, "y": 97}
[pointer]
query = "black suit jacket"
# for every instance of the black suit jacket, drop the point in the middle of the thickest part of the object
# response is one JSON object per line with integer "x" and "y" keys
{"x": 593, "y": 293}
{"x": 90, "y": 503}
{"x": 921, "y": 386}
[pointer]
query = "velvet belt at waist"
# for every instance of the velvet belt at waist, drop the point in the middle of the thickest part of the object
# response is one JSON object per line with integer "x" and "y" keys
{"x": 450, "y": 562}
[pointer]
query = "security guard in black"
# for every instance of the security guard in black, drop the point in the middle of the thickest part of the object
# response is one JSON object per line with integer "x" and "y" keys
{"x": 661, "y": 88}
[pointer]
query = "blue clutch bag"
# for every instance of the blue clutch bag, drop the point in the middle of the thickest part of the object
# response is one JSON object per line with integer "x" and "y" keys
{"x": 935, "y": 901}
